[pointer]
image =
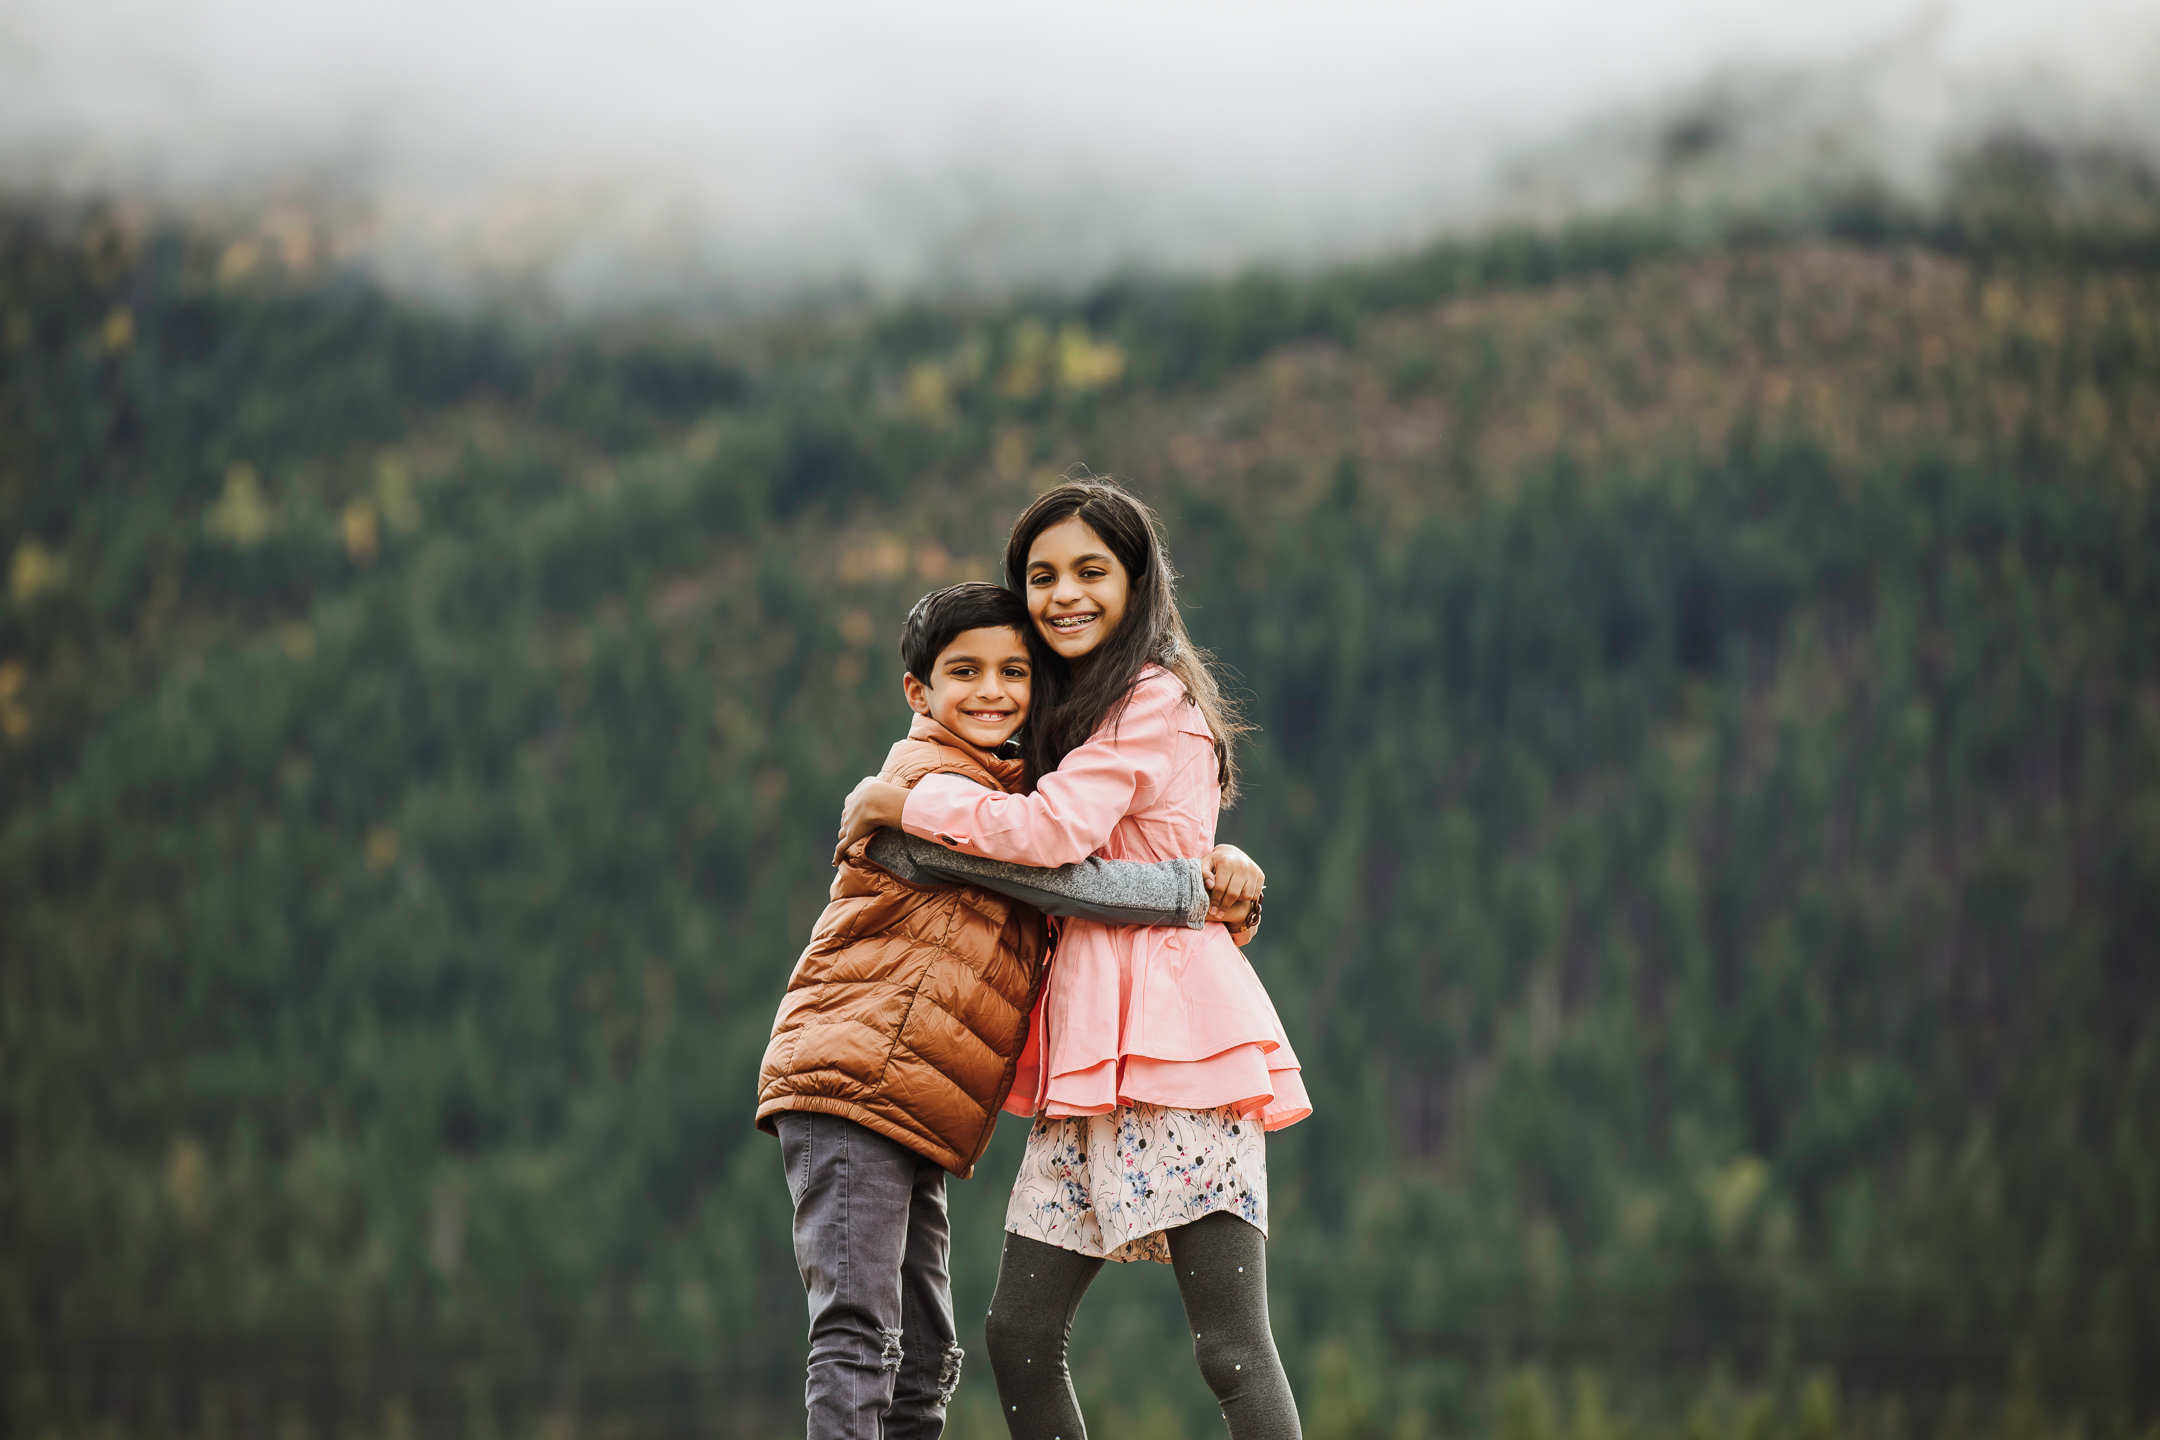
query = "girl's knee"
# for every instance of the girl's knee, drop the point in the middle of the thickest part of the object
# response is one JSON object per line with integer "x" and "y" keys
{"x": 1232, "y": 1363}
{"x": 1015, "y": 1339}
{"x": 999, "y": 1332}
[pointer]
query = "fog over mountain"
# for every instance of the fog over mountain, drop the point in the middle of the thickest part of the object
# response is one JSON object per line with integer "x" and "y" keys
{"x": 744, "y": 155}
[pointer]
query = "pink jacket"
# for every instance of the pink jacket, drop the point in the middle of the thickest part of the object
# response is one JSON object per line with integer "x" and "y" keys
{"x": 1169, "y": 1016}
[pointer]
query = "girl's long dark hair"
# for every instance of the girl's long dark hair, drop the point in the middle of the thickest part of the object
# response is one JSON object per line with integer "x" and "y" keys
{"x": 1070, "y": 704}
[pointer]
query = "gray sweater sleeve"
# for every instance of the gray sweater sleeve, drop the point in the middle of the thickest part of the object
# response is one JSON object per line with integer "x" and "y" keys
{"x": 1115, "y": 892}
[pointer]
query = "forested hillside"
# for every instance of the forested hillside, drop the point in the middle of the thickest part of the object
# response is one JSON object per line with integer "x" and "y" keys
{"x": 1708, "y": 775}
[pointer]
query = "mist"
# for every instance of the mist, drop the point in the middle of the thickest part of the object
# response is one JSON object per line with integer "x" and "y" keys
{"x": 656, "y": 152}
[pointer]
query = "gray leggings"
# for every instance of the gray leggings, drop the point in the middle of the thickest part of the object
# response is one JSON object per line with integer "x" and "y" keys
{"x": 1221, "y": 1264}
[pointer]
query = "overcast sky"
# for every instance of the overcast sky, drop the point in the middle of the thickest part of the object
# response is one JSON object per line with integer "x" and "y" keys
{"x": 628, "y": 148}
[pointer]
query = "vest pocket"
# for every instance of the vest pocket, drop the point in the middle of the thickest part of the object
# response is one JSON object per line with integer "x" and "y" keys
{"x": 918, "y": 976}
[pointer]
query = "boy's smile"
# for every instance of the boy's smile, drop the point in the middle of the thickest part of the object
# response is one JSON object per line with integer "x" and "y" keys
{"x": 979, "y": 687}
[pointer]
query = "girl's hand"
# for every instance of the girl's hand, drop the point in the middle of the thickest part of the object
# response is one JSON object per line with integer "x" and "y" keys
{"x": 1243, "y": 922}
{"x": 872, "y": 806}
{"x": 1233, "y": 882}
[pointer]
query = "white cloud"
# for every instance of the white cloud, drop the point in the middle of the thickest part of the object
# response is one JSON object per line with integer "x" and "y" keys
{"x": 632, "y": 149}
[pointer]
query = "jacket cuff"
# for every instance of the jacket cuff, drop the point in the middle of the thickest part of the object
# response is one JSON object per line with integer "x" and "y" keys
{"x": 920, "y": 814}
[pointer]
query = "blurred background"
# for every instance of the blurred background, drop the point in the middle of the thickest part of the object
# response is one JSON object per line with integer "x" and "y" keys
{"x": 1676, "y": 484}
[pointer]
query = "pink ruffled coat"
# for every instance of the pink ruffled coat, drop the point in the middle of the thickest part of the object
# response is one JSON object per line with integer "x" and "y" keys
{"x": 1168, "y": 1016}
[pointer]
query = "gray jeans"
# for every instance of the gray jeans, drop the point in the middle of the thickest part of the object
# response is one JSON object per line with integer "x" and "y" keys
{"x": 872, "y": 1241}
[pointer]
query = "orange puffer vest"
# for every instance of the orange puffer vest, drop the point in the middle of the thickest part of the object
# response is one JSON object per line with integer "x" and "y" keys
{"x": 908, "y": 1009}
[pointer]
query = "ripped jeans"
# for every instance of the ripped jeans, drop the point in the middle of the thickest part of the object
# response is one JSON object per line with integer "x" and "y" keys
{"x": 872, "y": 1241}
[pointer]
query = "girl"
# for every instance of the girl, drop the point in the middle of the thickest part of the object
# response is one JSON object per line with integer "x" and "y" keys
{"x": 1154, "y": 1061}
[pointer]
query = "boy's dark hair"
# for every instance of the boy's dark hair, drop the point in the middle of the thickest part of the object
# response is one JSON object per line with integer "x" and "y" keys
{"x": 942, "y": 614}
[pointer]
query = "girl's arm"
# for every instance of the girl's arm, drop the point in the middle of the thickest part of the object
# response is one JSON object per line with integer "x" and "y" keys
{"x": 1070, "y": 815}
{"x": 1073, "y": 809}
{"x": 1079, "y": 809}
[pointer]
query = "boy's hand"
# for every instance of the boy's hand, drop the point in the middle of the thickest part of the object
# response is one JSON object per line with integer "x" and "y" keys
{"x": 872, "y": 806}
{"x": 1233, "y": 882}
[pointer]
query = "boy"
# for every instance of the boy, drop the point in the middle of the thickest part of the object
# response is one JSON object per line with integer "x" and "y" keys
{"x": 896, "y": 1041}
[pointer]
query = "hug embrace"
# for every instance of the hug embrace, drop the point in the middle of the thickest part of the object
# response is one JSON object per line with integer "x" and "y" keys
{"x": 1031, "y": 915}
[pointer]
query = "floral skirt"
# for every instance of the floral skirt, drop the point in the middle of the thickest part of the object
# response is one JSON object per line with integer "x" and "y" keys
{"x": 1110, "y": 1185}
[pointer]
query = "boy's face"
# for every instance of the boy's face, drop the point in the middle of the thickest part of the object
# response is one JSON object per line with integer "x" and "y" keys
{"x": 978, "y": 688}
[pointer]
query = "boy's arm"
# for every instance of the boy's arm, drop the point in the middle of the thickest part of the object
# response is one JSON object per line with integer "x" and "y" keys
{"x": 1115, "y": 892}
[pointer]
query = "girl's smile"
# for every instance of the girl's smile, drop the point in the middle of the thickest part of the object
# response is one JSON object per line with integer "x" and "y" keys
{"x": 1076, "y": 589}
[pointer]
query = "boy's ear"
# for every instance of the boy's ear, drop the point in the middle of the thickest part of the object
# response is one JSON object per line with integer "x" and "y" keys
{"x": 918, "y": 694}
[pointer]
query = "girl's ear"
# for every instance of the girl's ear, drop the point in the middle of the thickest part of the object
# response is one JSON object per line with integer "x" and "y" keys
{"x": 918, "y": 694}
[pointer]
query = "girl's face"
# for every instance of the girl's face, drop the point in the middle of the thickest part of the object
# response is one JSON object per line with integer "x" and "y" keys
{"x": 1076, "y": 589}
